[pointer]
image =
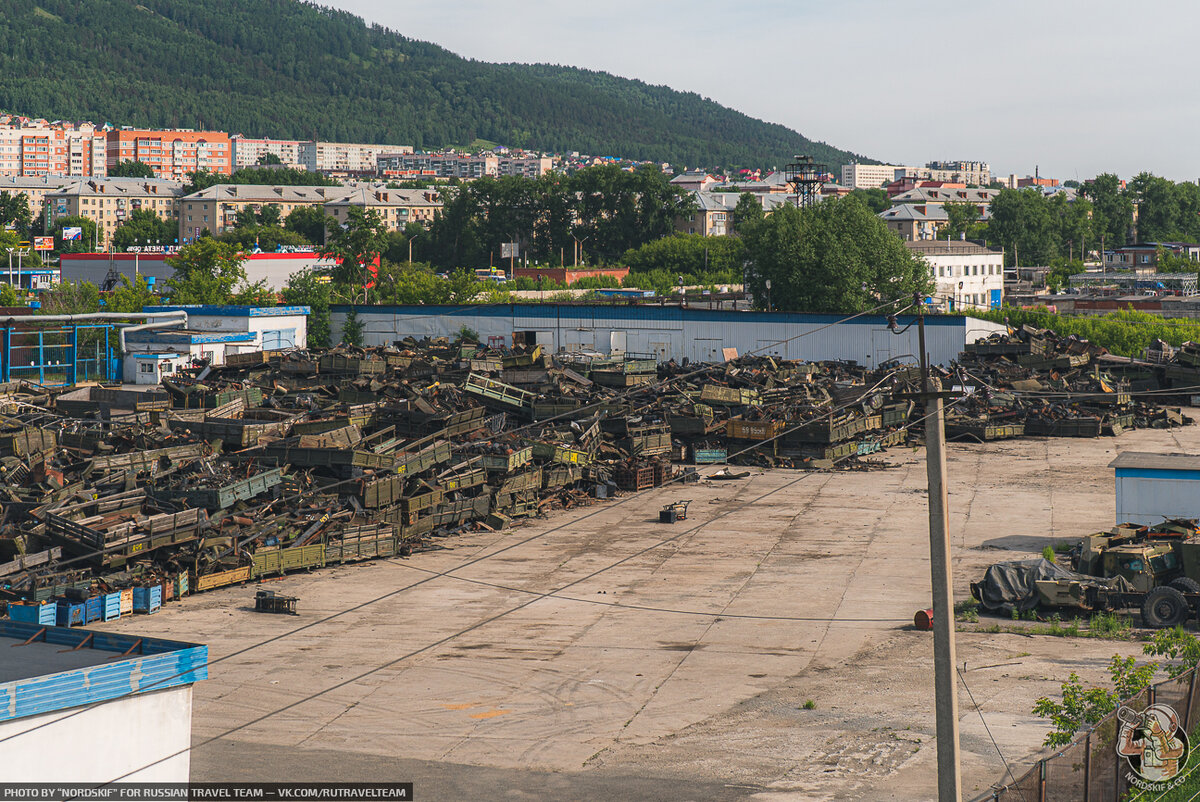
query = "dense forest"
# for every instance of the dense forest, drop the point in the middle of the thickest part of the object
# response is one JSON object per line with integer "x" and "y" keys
{"x": 286, "y": 69}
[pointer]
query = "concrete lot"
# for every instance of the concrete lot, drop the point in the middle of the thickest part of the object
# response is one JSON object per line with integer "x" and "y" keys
{"x": 673, "y": 662}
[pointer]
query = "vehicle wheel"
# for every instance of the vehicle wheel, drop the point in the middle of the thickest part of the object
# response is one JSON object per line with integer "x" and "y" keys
{"x": 1164, "y": 607}
{"x": 1185, "y": 585}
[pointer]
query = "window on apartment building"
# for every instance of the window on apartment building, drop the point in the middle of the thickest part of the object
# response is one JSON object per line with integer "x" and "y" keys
{"x": 941, "y": 271}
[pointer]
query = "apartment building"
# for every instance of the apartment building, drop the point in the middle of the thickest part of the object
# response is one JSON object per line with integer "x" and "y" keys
{"x": 869, "y": 176}
{"x": 528, "y": 166}
{"x": 249, "y": 152}
{"x": 34, "y": 188}
{"x": 343, "y": 158}
{"x": 436, "y": 165}
{"x": 397, "y": 207}
{"x": 108, "y": 202}
{"x": 967, "y": 275}
{"x": 171, "y": 154}
{"x": 34, "y": 148}
{"x": 977, "y": 173}
{"x": 216, "y": 208}
{"x": 714, "y": 212}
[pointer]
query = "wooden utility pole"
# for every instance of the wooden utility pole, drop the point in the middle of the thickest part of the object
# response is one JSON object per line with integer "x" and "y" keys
{"x": 944, "y": 659}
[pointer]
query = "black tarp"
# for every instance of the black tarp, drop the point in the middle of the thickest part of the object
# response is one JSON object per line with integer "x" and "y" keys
{"x": 1009, "y": 586}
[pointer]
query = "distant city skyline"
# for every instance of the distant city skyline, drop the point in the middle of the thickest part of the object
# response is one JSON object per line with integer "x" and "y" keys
{"x": 1020, "y": 84}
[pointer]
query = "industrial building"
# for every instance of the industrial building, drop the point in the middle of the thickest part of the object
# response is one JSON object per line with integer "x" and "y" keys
{"x": 1151, "y": 487}
{"x": 273, "y": 268}
{"x": 125, "y": 701}
{"x": 671, "y": 332}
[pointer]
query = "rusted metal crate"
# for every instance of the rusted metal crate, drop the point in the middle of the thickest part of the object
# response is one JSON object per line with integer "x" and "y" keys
{"x": 507, "y": 462}
{"x": 634, "y": 478}
{"x": 753, "y": 430}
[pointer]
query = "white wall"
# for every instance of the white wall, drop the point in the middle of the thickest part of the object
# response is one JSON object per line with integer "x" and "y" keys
{"x": 103, "y": 742}
{"x": 1143, "y": 500}
{"x": 866, "y": 341}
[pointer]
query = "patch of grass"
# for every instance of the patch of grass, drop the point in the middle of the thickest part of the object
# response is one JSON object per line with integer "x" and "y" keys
{"x": 1063, "y": 546}
{"x": 1108, "y": 625}
{"x": 1048, "y": 553}
{"x": 810, "y": 705}
{"x": 967, "y": 610}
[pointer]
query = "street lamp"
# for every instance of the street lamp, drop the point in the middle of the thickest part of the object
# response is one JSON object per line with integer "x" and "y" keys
{"x": 579, "y": 247}
{"x": 768, "y": 295}
{"x": 410, "y": 242}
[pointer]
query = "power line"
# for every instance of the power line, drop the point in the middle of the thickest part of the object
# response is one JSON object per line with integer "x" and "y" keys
{"x": 479, "y": 624}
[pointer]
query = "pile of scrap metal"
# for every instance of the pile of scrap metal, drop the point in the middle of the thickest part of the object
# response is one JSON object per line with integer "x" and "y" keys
{"x": 1034, "y": 382}
{"x": 286, "y": 460}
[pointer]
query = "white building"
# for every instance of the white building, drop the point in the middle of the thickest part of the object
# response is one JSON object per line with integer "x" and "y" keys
{"x": 118, "y": 705}
{"x": 1151, "y": 487}
{"x": 248, "y": 152}
{"x": 669, "y": 332}
{"x": 344, "y": 157}
{"x": 968, "y": 276}
{"x": 869, "y": 176}
{"x": 212, "y": 333}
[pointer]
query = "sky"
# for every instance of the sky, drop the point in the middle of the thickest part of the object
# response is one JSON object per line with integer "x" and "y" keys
{"x": 1072, "y": 88}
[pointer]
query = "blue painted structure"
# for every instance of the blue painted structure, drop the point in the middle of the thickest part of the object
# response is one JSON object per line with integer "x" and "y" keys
{"x": 59, "y": 355}
{"x": 153, "y": 664}
{"x": 231, "y": 311}
{"x": 147, "y": 600}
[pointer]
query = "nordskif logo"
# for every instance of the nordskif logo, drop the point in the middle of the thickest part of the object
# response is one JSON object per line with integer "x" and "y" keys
{"x": 1154, "y": 745}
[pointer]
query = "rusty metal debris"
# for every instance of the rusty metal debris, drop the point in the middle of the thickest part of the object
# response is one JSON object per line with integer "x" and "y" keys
{"x": 295, "y": 460}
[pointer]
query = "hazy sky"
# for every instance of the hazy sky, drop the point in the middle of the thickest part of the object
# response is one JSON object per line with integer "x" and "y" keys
{"x": 1074, "y": 87}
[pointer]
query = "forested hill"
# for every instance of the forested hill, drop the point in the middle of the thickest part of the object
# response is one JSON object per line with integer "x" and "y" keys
{"x": 292, "y": 70}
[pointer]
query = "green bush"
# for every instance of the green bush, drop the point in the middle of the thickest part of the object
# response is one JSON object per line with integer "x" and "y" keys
{"x": 1126, "y": 332}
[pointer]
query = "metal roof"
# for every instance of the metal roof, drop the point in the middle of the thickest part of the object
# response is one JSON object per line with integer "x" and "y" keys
{"x": 1145, "y": 460}
{"x": 44, "y": 671}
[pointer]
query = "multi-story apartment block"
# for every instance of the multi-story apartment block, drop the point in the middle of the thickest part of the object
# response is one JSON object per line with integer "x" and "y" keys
{"x": 528, "y": 166}
{"x": 110, "y": 201}
{"x": 34, "y": 188}
{"x": 35, "y": 148}
{"x": 977, "y": 173}
{"x": 343, "y": 158}
{"x": 248, "y": 152}
{"x": 437, "y": 165}
{"x": 397, "y": 207}
{"x": 869, "y": 176}
{"x": 216, "y": 208}
{"x": 171, "y": 154}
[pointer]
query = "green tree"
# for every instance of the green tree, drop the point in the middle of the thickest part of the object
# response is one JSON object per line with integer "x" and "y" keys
{"x": 876, "y": 199}
{"x": 411, "y": 284}
{"x": 15, "y": 214}
{"x": 305, "y": 288}
{"x": 265, "y": 238}
{"x": 1021, "y": 223}
{"x": 836, "y": 256}
{"x": 356, "y": 246}
{"x": 464, "y": 286}
{"x": 1112, "y": 208}
{"x": 708, "y": 259}
{"x": 1082, "y": 706}
{"x": 269, "y": 158}
{"x": 962, "y": 219}
{"x": 207, "y": 271}
{"x": 352, "y": 330}
{"x": 748, "y": 211}
{"x": 84, "y": 243}
{"x": 310, "y": 222}
{"x": 131, "y": 169}
{"x": 131, "y": 296}
{"x": 70, "y": 298}
{"x": 145, "y": 227}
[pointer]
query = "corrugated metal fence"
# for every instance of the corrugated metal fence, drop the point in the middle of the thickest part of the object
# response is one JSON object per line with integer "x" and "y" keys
{"x": 1089, "y": 768}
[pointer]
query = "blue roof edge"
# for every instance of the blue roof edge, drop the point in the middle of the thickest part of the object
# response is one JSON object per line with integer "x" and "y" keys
{"x": 161, "y": 664}
{"x": 231, "y": 311}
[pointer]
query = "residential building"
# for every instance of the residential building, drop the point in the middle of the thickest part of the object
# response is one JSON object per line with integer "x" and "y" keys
{"x": 248, "y": 152}
{"x": 713, "y": 214}
{"x": 975, "y": 173}
{"x": 108, "y": 202}
{"x": 915, "y": 222}
{"x": 215, "y": 209}
{"x": 36, "y": 148}
{"x": 940, "y": 195}
{"x": 397, "y": 207}
{"x": 343, "y": 158}
{"x": 869, "y": 176}
{"x": 438, "y": 165}
{"x": 171, "y": 153}
{"x": 1143, "y": 256}
{"x": 528, "y": 166}
{"x": 34, "y": 188}
{"x": 967, "y": 275}
{"x": 694, "y": 182}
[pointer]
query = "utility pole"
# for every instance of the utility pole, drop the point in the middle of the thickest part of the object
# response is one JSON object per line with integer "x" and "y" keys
{"x": 944, "y": 659}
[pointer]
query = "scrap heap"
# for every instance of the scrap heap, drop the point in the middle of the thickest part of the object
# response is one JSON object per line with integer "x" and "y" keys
{"x": 285, "y": 460}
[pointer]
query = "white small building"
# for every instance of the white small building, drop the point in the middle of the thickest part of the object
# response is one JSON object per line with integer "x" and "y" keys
{"x": 78, "y": 706}
{"x": 1151, "y": 487}
{"x": 967, "y": 275}
{"x": 212, "y": 333}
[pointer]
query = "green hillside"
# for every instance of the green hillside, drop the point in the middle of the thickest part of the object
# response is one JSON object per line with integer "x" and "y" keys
{"x": 293, "y": 70}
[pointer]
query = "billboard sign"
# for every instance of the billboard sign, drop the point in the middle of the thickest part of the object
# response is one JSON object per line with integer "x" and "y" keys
{"x": 44, "y": 243}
